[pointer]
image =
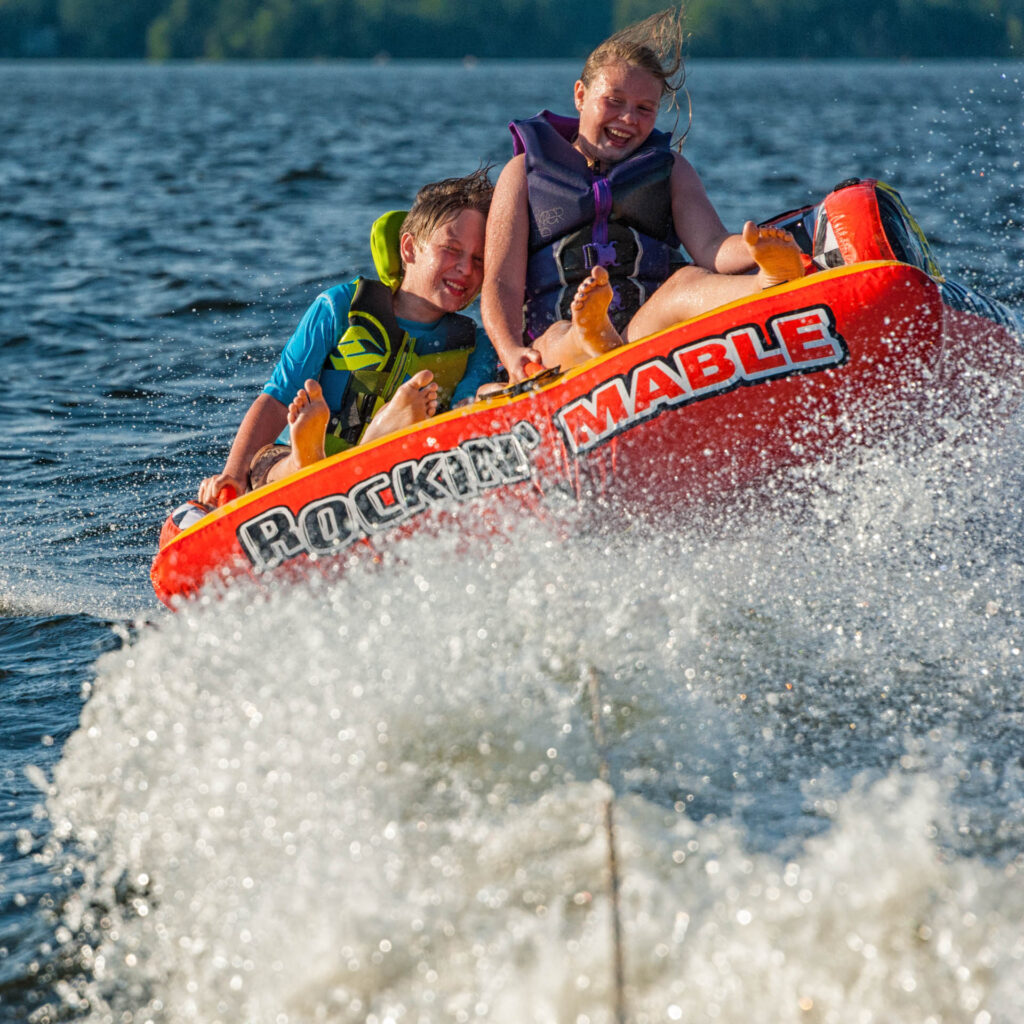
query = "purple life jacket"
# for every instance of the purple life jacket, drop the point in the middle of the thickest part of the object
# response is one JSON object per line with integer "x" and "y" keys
{"x": 579, "y": 218}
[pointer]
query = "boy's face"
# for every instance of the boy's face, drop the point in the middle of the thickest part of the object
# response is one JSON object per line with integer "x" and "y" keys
{"x": 448, "y": 269}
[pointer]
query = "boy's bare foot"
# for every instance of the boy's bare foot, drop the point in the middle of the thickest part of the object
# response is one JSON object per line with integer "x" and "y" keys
{"x": 590, "y": 323}
{"x": 415, "y": 400}
{"x": 308, "y": 415}
{"x": 775, "y": 253}
{"x": 307, "y": 418}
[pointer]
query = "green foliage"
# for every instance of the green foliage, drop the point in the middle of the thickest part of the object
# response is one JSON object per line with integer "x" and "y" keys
{"x": 236, "y": 29}
{"x": 29, "y": 28}
{"x": 857, "y": 28}
{"x": 98, "y": 28}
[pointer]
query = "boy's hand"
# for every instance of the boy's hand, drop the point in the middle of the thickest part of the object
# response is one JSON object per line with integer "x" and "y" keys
{"x": 211, "y": 487}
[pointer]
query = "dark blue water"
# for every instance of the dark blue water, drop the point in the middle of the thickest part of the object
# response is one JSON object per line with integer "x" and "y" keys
{"x": 374, "y": 799}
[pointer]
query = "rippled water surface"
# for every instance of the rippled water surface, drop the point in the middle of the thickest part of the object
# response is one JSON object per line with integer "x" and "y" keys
{"x": 385, "y": 796}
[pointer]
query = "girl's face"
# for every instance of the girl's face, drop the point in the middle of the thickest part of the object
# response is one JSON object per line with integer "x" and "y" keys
{"x": 617, "y": 112}
{"x": 447, "y": 270}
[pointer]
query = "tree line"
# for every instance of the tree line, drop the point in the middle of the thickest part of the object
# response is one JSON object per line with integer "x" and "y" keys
{"x": 339, "y": 29}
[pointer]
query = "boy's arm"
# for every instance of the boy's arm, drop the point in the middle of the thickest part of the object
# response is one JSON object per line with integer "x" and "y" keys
{"x": 303, "y": 357}
{"x": 505, "y": 255}
{"x": 481, "y": 368}
{"x": 261, "y": 425}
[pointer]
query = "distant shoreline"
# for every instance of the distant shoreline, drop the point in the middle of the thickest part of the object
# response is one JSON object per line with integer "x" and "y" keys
{"x": 506, "y": 29}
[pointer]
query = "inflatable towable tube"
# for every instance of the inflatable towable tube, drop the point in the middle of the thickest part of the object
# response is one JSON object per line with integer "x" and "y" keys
{"x": 860, "y": 219}
{"x": 873, "y": 345}
{"x": 865, "y": 219}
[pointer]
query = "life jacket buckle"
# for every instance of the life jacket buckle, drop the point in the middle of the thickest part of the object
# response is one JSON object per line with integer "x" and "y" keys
{"x": 598, "y": 254}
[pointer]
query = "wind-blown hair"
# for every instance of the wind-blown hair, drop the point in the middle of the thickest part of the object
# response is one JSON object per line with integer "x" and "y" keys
{"x": 654, "y": 45}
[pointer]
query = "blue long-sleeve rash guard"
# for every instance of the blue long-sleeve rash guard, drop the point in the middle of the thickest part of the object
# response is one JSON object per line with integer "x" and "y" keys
{"x": 318, "y": 332}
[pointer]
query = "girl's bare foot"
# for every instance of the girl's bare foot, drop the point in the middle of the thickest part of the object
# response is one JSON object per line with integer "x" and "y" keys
{"x": 775, "y": 253}
{"x": 589, "y": 333}
{"x": 415, "y": 400}
{"x": 590, "y": 323}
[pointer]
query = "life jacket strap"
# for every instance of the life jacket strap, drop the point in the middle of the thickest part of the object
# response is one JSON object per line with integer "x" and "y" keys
{"x": 379, "y": 355}
{"x": 371, "y": 318}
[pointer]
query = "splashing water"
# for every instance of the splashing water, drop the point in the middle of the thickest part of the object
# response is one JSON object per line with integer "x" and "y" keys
{"x": 379, "y": 797}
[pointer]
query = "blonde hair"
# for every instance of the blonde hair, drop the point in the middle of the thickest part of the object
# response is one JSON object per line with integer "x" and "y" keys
{"x": 437, "y": 203}
{"x": 654, "y": 45}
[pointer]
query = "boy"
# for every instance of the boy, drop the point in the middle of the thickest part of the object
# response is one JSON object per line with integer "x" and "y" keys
{"x": 370, "y": 357}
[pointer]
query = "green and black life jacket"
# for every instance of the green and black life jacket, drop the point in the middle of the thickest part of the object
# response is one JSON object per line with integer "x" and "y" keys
{"x": 379, "y": 356}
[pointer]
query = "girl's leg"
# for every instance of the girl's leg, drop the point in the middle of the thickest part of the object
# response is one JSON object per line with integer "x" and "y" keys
{"x": 691, "y": 291}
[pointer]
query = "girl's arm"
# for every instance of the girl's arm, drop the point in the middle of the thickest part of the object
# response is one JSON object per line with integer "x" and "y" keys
{"x": 505, "y": 256}
{"x": 699, "y": 227}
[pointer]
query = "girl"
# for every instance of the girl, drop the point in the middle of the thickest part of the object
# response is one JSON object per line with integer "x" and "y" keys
{"x": 587, "y": 217}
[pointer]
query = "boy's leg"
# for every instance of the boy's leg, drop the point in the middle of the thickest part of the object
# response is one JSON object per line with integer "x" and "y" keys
{"x": 264, "y": 461}
{"x": 415, "y": 400}
{"x": 307, "y": 415}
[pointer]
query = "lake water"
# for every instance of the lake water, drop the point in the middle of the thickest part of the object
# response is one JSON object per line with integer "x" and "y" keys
{"x": 383, "y": 798}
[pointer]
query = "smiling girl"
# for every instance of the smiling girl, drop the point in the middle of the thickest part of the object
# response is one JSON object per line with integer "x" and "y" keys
{"x": 583, "y": 238}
